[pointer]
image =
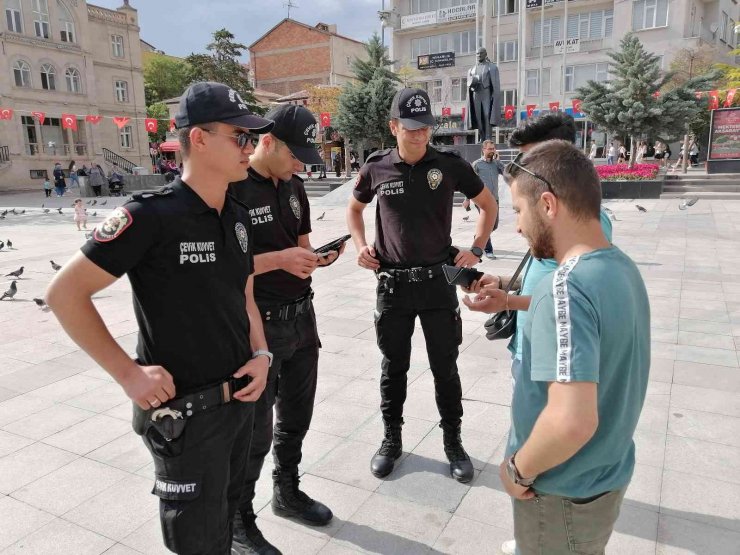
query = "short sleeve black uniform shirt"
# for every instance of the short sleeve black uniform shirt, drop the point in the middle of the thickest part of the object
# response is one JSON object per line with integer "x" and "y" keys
{"x": 279, "y": 215}
{"x": 414, "y": 213}
{"x": 188, "y": 268}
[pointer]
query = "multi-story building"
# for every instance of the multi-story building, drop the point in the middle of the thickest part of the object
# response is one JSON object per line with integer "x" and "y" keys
{"x": 293, "y": 55}
{"x": 528, "y": 48}
{"x": 68, "y": 57}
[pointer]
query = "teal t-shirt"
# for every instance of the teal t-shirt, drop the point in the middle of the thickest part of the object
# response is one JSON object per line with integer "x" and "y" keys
{"x": 533, "y": 274}
{"x": 589, "y": 321}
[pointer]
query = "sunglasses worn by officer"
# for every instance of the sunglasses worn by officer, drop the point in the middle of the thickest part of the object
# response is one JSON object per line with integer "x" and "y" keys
{"x": 242, "y": 137}
{"x": 514, "y": 167}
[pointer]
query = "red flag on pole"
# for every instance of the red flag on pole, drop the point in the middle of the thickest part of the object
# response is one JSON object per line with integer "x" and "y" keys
{"x": 730, "y": 97}
{"x": 172, "y": 125}
{"x": 6, "y": 113}
{"x": 713, "y": 99}
{"x": 509, "y": 111}
{"x": 40, "y": 116}
{"x": 151, "y": 125}
{"x": 69, "y": 121}
{"x": 530, "y": 109}
{"x": 446, "y": 111}
{"x": 576, "y": 106}
{"x": 121, "y": 121}
{"x": 656, "y": 94}
{"x": 93, "y": 119}
{"x": 554, "y": 106}
{"x": 325, "y": 119}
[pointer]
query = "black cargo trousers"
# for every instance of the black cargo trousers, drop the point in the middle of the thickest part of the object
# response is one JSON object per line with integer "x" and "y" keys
{"x": 291, "y": 389}
{"x": 435, "y": 302}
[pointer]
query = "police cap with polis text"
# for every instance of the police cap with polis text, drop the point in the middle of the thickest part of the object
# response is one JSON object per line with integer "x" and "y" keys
{"x": 412, "y": 108}
{"x": 209, "y": 102}
{"x": 297, "y": 128}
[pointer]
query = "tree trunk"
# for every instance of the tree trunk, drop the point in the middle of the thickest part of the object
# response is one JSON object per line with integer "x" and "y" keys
{"x": 633, "y": 152}
{"x": 347, "y": 163}
{"x": 684, "y": 162}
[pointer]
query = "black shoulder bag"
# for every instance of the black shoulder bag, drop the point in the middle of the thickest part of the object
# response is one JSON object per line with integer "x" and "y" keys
{"x": 502, "y": 325}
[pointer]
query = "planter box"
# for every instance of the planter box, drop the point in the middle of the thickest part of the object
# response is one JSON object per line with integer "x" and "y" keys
{"x": 632, "y": 189}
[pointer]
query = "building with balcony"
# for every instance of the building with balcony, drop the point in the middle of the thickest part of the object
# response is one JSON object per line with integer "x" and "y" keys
{"x": 528, "y": 47}
{"x": 68, "y": 57}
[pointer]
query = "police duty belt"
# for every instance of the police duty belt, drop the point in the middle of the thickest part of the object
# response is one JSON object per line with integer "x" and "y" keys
{"x": 288, "y": 311}
{"x": 170, "y": 419}
{"x": 408, "y": 275}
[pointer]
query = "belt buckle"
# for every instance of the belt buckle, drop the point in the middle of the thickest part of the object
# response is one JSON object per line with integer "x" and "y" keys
{"x": 415, "y": 274}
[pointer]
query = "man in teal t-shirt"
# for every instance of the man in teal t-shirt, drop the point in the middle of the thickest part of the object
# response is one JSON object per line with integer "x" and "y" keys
{"x": 583, "y": 377}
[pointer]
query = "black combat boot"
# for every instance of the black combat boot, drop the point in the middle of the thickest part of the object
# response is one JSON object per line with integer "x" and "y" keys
{"x": 461, "y": 469}
{"x": 390, "y": 450}
{"x": 289, "y": 500}
{"x": 247, "y": 538}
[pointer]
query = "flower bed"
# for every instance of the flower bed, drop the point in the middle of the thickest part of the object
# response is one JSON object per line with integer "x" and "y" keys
{"x": 622, "y": 172}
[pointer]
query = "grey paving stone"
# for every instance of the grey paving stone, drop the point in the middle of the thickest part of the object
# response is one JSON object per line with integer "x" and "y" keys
{"x": 703, "y": 458}
{"x": 47, "y": 422}
{"x": 19, "y": 520}
{"x": 126, "y": 452}
{"x": 678, "y": 536}
{"x": 339, "y": 418}
{"x": 348, "y": 463}
{"x": 635, "y": 532}
{"x": 709, "y": 376}
{"x": 463, "y": 536}
{"x": 89, "y": 434}
{"x": 487, "y": 501}
{"x": 29, "y": 464}
{"x": 705, "y": 426}
{"x": 60, "y": 536}
{"x": 707, "y": 400}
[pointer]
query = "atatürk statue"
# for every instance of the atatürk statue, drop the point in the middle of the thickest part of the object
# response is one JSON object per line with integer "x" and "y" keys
{"x": 484, "y": 96}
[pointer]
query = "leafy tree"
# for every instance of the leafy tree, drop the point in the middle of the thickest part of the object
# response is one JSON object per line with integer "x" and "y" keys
{"x": 628, "y": 105}
{"x": 381, "y": 91}
{"x": 222, "y": 65}
{"x": 377, "y": 58}
{"x": 164, "y": 77}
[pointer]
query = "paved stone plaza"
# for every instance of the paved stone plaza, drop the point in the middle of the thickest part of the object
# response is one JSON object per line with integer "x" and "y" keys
{"x": 74, "y": 478}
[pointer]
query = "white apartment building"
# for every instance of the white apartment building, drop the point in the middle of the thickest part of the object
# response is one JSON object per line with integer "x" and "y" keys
{"x": 528, "y": 47}
{"x": 68, "y": 57}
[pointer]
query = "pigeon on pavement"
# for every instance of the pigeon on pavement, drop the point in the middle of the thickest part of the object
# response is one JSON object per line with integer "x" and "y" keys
{"x": 94, "y": 213}
{"x": 692, "y": 201}
{"x": 56, "y": 267}
{"x": 10, "y": 293}
{"x": 104, "y": 203}
{"x": 466, "y": 218}
{"x": 94, "y": 202}
{"x": 59, "y": 210}
{"x": 46, "y": 210}
{"x": 321, "y": 217}
{"x": 10, "y": 244}
{"x": 640, "y": 208}
{"x": 1, "y": 245}
{"x": 17, "y": 273}
{"x": 41, "y": 303}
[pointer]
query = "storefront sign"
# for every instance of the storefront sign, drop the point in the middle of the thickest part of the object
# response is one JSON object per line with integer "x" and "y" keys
{"x": 724, "y": 137}
{"x": 538, "y": 3}
{"x": 417, "y": 19}
{"x": 571, "y": 45}
{"x": 431, "y": 61}
{"x": 443, "y": 15}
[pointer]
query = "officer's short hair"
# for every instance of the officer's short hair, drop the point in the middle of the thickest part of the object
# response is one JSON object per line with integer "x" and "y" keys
{"x": 486, "y": 143}
{"x": 572, "y": 175}
{"x": 548, "y": 126}
{"x": 183, "y": 137}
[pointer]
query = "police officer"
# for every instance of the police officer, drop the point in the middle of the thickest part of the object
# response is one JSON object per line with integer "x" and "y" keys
{"x": 415, "y": 184}
{"x": 284, "y": 261}
{"x": 202, "y": 357}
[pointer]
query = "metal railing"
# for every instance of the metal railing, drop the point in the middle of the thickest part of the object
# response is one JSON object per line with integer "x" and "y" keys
{"x": 113, "y": 158}
{"x": 4, "y": 154}
{"x": 78, "y": 149}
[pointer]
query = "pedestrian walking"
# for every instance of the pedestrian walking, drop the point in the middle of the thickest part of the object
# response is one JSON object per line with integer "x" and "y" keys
{"x": 80, "y": 217}
{"x": 415, "y": 184}
{"x": 202, "y": 359}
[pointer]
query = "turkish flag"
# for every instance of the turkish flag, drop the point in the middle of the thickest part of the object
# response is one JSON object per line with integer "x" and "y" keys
{"x": 576, "y": 106}
{"x": 446, "y": 111}
{"x": 698, "y": 95}
{"x": 730, "y": 97}
{"x": 172, "y": 125}
{"x": 121, "y": 121}
{"x": 93, "y": 119}
{"x": 509, "y": 111}
{"x": 554, "y": 106}
{"x": 6, "y": 113}
{"x": 151, "y": 125}
{"x": 713, "y": 100}
{"x": 530, "y": 110}
{"x": 463, "y": 113}
{"x": 69, "y": 121}
{"x": 656, "y": 94}
{"x": 325, "y": 119}
{"x": 41, "y": 116}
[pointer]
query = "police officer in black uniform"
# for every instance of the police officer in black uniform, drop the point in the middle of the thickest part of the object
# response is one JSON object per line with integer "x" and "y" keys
{"x": 415, "y": 184}
{"x": 202, "y": 358}
{"x": 284, "y": 261}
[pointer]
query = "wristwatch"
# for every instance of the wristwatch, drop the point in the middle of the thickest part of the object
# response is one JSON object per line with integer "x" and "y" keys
{"x": 477, "y": 251}
{"x": 514, "y": 475}
{"x": 263, "y": 352}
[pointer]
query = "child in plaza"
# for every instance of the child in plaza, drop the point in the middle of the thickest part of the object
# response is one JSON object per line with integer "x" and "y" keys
{"x": 47, "y": 187}
{"x": 80, "y": 214}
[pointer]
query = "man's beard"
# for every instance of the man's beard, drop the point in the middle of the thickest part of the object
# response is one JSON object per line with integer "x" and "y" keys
{"x": 540, "y": 240}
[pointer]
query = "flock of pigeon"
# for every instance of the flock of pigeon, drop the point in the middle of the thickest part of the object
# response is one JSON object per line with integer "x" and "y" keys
{"x": 16, "y": 274}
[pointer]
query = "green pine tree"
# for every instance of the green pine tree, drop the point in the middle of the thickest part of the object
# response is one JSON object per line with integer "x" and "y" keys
{"x": 377, "y": 59}
{"x": 223, "y": 66}
{"x": 627, "y": 104}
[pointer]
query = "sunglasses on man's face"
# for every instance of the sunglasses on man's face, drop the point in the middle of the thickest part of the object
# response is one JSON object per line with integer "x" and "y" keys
{"x": 242, "y": 137}
{"x": 515, "y": 167}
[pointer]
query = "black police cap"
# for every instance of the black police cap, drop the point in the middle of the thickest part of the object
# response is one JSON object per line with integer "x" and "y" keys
{"x": 413, "y": 108}
{"x": 209, "y": 102}
{"x": 297, "y": 128}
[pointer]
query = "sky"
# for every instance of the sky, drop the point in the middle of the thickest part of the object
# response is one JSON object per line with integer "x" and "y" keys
{"x": 180, "y": 27}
